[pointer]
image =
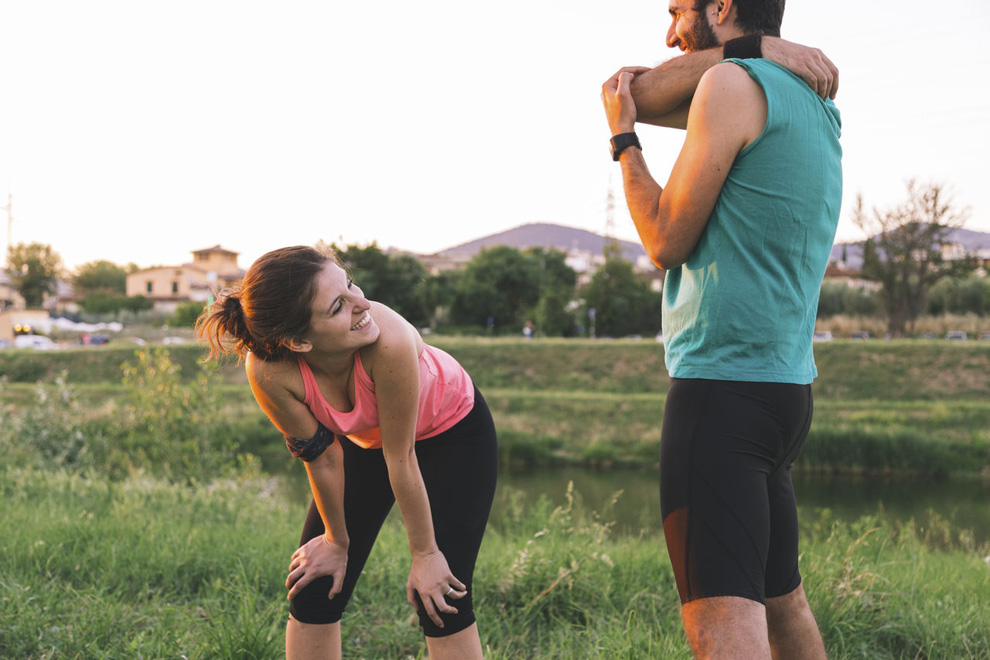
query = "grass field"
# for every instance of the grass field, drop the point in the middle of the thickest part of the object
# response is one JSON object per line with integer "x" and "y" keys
{"x": 141, "y": 519}
{"x": 143, "y": 568}
{"x": 896, "y": 407}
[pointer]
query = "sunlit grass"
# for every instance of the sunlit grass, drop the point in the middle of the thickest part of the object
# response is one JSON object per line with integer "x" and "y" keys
{"x": 148, "y": 568}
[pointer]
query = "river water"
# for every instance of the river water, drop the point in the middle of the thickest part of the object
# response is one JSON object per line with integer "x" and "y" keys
{"x": 964, "y": 502}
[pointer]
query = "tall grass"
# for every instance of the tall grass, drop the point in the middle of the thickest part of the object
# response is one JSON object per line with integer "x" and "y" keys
{"x": 150, "y": 568}
{"x": 158, "y": 419}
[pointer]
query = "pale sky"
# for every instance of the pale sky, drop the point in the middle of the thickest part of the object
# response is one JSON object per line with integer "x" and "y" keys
{"x": 139, "y": 131}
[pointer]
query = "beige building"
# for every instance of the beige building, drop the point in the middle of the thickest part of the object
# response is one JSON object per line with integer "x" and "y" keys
{"x": 211, "y": 270}
{"x": 23, "y": 320}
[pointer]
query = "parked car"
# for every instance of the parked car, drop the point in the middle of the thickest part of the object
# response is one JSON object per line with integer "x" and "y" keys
{"x": 957, "y": 335}
{"x": 4, "y": 343}
{"x": 985, "y": 335}
{"x": 926, "y": 335}
{"x": 822, "y": 335}
{"x": 39, "y": 342}
{"x": 862, "y": 334}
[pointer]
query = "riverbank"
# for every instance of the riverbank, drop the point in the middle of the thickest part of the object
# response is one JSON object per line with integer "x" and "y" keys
{"x": 141, "y": 519}
{"x": 146, "y": 568}
{"x": 891, "y": 408}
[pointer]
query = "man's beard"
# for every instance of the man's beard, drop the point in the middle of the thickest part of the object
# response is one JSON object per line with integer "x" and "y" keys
{"x": 702, "y": 37}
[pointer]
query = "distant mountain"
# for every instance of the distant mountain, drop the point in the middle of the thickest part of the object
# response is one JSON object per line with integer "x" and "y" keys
{"x": 546, "y": 235}
{"x": 969, "y": 239}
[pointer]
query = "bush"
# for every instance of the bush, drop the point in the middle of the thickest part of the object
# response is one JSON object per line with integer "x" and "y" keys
{"x": 109, "y": 303}
{"x": 185, "y": 315}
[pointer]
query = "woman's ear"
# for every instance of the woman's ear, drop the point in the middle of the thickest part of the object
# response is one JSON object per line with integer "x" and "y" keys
{"x": 299, "y": 345}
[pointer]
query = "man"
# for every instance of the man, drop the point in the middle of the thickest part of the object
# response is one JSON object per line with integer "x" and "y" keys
{"x": 744, "y": 228}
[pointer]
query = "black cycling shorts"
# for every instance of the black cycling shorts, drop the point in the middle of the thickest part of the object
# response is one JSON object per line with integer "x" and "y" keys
{"x": 459, "y": 468}
{"x": 728, "y": 508}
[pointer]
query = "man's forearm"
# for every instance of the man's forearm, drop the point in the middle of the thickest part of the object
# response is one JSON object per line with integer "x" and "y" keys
{"x": 661, "y": 91}
{"x": 643, "y": 199}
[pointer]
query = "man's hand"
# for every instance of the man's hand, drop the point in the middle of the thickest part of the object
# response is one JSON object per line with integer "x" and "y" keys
{"x": 318, "y": 557}
{"x": 810, "y": 64}
{"x": 620, "y": 109}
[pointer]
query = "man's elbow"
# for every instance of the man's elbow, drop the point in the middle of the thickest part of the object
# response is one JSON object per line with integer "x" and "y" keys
{"x": 665, "y": 256}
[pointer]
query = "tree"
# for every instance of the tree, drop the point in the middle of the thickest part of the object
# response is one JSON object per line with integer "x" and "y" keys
{"x": 397, "y": 281}
{"x": 100, "y": 277}
{"x": 501, "y": 284}
{"x": 904, "y": 252}
{"x": 953, "y": 295}
{"x": 110, "y": 303}
{"x": 33, "y": 270}
{"x": 623, "y": 303}
{"x": 556, "y": 290}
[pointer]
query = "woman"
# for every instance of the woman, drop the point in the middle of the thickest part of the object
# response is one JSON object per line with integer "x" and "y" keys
{"x": 372, "y": 411}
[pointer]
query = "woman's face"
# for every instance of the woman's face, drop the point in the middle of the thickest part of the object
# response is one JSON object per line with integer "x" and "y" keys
{"x": 340, "y": 314}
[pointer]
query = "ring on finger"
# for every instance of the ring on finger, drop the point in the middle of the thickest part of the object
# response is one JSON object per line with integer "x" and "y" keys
{"x": 449, "y": 591}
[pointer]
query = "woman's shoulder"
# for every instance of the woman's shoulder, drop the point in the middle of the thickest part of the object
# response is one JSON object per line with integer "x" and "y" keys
{"x": 397, "y": 339}
{"x": 275, "y": 377}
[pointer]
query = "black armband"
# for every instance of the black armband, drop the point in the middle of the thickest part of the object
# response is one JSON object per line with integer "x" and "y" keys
{"x": 307, "y": 450}
{"x": 746, "y": 47}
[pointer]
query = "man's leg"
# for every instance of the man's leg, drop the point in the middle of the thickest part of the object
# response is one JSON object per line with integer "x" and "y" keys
{"x": 726, "y": 627}
{"x": 792, "y": 629}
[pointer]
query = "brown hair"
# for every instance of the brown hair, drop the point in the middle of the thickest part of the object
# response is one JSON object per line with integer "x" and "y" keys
{"x": 269, "y": 308}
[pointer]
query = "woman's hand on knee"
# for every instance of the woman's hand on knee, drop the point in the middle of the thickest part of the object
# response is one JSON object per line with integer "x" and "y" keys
{"x": 430, "y": 577}
{"x": 316, "y": 558}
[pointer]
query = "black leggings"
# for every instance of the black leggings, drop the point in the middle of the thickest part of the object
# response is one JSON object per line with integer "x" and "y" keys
{"x": 459, "y": 468}
{"x": 729, "y": 515}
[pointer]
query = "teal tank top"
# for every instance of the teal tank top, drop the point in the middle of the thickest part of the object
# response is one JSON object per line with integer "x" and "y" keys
{"x": 743, "y": 306}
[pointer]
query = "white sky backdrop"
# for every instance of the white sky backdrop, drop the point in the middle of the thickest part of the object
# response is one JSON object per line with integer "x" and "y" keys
{"x": 139, "y": 131}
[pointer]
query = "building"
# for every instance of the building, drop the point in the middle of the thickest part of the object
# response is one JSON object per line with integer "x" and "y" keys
{"x": 9, "y": 297}
{"x": 211, "y": 270}
{"x": 20, "y": 321}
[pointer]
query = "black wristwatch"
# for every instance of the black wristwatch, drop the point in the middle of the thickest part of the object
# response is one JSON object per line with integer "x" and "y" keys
{"x": 621, "y": 142}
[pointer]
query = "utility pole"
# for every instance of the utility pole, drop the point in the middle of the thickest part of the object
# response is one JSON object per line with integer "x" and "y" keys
{"x": 610, "y": 212}
{"x": 9, "y": 208}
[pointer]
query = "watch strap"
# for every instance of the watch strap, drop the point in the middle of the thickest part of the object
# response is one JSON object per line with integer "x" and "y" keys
{"x": 623, "y": 141}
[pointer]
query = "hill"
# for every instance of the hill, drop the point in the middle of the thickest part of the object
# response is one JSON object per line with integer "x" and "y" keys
{"x": 546, "y": 235}
{"x": 972, "y": 241}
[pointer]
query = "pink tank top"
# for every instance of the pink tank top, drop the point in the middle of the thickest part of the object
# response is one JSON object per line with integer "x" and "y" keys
{"x": 446, "y": 396}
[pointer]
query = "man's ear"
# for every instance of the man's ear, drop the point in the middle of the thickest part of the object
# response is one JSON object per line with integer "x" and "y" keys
{"x": 299, "y": 345}
{"x": 722, "y": 10}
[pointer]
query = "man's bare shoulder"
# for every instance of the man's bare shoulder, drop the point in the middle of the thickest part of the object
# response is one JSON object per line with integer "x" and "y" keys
{"x": 729, "y": 80}
{"x": 729, "y": 106}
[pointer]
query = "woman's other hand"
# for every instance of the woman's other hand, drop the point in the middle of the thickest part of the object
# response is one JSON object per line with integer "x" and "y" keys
{"x": 317, "y": 557}
{"x": 430, "y": 577}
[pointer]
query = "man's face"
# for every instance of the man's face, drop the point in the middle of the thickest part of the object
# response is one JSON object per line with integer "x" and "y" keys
{"x": 689, "y": 27}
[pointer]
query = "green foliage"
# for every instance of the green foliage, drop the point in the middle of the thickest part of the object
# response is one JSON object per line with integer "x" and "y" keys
{"x": 950, "y": 295}
{"x": 185, "y": 315}
{"x": 624, "y": 304}
{"x": 502, "y": 284}
{"x": 395, "y": 280}
{"x": 149, "y": 568}
{"x": 100, "y": 277}
{"x": 170, "y": 421}
{"x": 103, "y": 302}
{"x": 33, "y": 269}
{"x": 837, "y": 298}
{"x": 48, "y": 432}
{"x": 556, "y": 291}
